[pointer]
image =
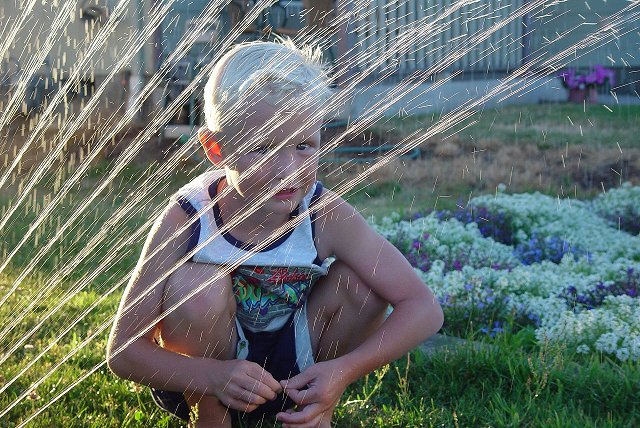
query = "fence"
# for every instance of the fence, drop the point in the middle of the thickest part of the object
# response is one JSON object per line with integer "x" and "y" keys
{"x": 379, "y": 26}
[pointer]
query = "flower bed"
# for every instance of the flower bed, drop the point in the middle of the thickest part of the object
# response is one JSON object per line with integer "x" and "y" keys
{"x": 568, "y": 269}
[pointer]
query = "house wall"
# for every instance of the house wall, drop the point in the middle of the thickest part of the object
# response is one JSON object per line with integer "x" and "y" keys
{"x": 379, "y": 26}
{"x": 401, "y": 36}
{"x": 575, "y": 19}
{"x": 418, "y": 34}
{"x": 70, "y": 42}
{"x": 391, "y": 38}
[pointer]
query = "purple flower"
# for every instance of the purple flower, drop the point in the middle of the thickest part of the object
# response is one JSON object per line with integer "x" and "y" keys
{"x": 539, "y": 248}
{"x": 597, "y": 76}
{"x": 597, "y": 295}
{"x": 534, "y": 318}
{"x": 445, "y": 300}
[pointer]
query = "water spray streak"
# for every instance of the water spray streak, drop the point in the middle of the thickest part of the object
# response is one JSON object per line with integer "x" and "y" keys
{"x": 34, "y": 64}
{"x": 447, "y": 122}
{"x": 117, "y": 249}
{"x": 48, "y": 116}
{"x": 8, "y": 37}
{"x": 135, "y": 146}
{"x": 124, "y": 159}
{"x": 51, "y": 157}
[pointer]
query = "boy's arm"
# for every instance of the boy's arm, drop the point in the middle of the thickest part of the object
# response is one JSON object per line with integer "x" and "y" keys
{"x": 416, "y": 315}
{"x": 142, "y": 360}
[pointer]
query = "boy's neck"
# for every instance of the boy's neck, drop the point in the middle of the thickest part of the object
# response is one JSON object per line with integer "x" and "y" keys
{"x": 254, "y": 227}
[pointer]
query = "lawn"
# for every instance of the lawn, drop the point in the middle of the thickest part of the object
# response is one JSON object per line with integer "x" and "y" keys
{"x": 556, "y": 149}
{"x": 498, "y": 275}
{"x": 544, "y": 125}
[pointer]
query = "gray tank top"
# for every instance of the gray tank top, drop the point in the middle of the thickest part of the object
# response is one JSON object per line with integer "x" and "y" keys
{"x": 271, "y": 283}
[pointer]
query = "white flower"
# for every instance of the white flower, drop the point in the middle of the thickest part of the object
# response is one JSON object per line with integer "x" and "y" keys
{"x": 583, "y": 349}
{"x": 622, "y": 354}
{"x": 607, "y": 343}
{"x": 633, "y": 344}
{"x": 540, "y": 290}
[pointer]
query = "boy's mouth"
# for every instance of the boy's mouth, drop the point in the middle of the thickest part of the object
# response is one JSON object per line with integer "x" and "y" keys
{"x": 285, "y": 193}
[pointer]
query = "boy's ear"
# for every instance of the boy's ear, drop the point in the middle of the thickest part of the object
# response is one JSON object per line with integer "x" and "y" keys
{"x": 210, "y": 145}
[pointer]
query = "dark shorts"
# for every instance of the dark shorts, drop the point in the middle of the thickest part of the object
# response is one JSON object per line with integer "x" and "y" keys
{"x": 278, "y": 352}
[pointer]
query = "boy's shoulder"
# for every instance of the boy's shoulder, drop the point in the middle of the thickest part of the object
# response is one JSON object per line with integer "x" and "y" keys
{"x": 199, "y": 188}
{"x": 333, "y": 207}
{"x": 337, "y": 221}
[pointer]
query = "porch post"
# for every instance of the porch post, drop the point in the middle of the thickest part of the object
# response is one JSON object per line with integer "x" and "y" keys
{"x": 526, "y": 35}
{"x": 346, "y": 43}
{"x": 136, "y": 81}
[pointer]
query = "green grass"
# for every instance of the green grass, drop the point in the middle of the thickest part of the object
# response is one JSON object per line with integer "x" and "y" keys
{"x": 506, "y": 384}
{"x": 539, "y": 146}
{"x": 376, "y": 200}
{"x": 513, "y": 382}
{"x": 545, "y": 125}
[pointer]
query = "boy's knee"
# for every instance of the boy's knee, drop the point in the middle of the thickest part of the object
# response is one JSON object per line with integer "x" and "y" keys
{"x": 343, "y": 311}
{"x": 353, "y": 291}
{"x": 207, "y": 297}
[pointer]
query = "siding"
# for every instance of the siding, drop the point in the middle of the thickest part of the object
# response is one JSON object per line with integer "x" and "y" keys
{"x": 587, "y": 18}
{"x": 414, "y": 35}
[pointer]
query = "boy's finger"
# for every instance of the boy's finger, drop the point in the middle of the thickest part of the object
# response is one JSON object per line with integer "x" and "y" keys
{"x": 267, "y": 379}
{"x": 255, "y": 386}
{"x": 305, "y": 415}
{"x": 264, "y": 390}
{"x": 245, "y": 393}
{"x": 250, "y": 397}
{"x": 239, "y": 405}
{"x": 300, "y": 397}
{"x": 297, "y": 382}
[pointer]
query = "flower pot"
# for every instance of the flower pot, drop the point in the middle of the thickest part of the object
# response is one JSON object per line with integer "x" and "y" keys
{"x": 577, "y": 95}
{"x": 588, "y": 95}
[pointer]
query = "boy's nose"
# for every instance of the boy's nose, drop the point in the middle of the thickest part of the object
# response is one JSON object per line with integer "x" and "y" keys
{"x": 286, "y": 165}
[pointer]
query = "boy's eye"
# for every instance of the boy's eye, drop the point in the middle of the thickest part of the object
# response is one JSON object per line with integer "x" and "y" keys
{"x": 262, "y": 150}
{"x": 303, "y": 146}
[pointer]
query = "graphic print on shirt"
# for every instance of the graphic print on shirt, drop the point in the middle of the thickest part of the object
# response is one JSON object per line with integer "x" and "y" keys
{"x": 266, "y": 293}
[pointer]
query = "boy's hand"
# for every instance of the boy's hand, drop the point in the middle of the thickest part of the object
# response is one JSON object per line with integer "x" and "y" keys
{"x": 244, "y": 385}
{"x": 316, "y": 390}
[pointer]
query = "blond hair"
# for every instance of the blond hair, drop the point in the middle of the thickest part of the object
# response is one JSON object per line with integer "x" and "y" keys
{"x": 273, "y": 70}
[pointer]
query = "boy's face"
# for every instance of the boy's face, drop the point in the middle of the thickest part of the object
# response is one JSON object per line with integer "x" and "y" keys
{"x": 249, "y": 143}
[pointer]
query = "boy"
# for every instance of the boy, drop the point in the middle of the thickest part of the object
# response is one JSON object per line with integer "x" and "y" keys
{"x": 254, "y": 319}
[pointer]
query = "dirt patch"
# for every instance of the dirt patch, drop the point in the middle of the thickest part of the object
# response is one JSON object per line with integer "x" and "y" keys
{"x": 17, "y": 137}
{"x": 486, "y": 163}
{"x": 454, "y": 164}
